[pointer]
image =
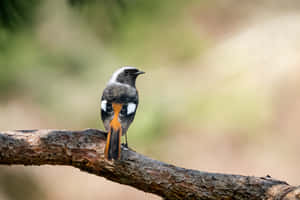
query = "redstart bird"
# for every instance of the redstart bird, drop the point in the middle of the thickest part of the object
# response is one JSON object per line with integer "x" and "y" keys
{"x": 118, "y": 106}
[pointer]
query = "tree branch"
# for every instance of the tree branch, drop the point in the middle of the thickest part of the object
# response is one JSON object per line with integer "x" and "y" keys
{"x": 85, "y": 150}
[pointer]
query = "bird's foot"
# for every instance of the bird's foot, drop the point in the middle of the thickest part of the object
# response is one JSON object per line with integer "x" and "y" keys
{"x": 125, "y": 145}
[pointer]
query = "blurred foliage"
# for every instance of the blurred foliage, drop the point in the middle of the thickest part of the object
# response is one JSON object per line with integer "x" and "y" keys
{"x": 126, "y": 28}
{"x": 16, "y": 14}
{"x": 112, "y": 18}
{"x": 137, "y": 27}
{"x": 150, "y": 128}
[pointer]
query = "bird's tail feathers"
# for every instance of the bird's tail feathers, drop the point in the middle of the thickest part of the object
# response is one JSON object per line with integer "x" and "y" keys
{"x": 113, "y": 144}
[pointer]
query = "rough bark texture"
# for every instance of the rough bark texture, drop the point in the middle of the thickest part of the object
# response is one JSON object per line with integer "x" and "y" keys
{"x": 85, "y": 150}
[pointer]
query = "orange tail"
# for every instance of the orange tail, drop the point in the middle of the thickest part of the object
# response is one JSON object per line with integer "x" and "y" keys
{"x": 113, "y": 144}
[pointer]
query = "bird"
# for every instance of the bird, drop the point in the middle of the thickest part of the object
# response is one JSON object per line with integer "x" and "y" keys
{"x": 119, "y": 103}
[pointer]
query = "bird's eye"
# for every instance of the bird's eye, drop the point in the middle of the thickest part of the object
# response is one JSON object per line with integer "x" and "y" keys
{"x": 109, "y": 107}
{"x": 124, "y": 110}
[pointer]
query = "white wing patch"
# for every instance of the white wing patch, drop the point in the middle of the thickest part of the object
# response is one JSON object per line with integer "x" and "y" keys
{"x": 131, "y": 108}
{"x": 103, "y": 105}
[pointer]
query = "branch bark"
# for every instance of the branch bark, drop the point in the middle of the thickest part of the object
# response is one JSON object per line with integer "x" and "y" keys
{"x": 85, "y": 151}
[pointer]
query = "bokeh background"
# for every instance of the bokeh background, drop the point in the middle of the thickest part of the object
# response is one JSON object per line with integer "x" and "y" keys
{"x": 221, "y": 92}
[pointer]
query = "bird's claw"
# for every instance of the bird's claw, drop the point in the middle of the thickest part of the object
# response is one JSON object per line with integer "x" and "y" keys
{"x": 125, "y": 145}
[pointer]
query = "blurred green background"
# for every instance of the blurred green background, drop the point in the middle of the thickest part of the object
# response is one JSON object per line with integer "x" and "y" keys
{"x": 220, "y": 93}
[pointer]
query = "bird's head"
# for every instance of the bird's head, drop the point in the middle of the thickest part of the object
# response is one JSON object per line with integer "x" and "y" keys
{"x": 126, "y": 75}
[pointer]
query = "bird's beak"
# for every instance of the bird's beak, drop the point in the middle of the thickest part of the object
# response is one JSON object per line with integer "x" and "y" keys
{"x": 139, "y": 72}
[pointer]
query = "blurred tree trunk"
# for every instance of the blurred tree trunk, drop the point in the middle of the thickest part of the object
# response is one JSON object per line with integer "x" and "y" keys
{"x": 85, "y": 150}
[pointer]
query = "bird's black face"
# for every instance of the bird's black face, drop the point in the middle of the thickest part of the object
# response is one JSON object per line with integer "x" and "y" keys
{"x": 128, "y": 76}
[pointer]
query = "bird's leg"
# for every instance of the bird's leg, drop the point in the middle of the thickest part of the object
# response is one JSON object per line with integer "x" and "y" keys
{"x": 126, "y": 142}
